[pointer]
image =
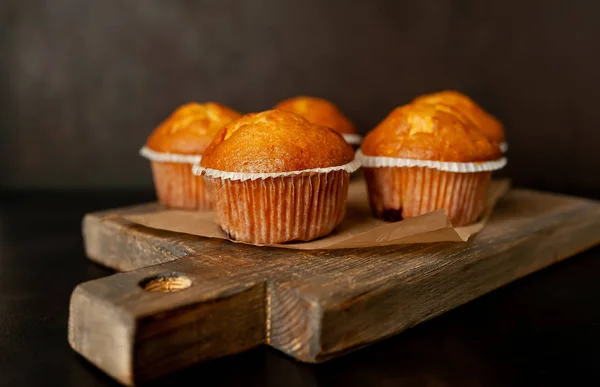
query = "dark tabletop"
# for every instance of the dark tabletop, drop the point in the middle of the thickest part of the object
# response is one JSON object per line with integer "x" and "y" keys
{"x": 541, "y": 330}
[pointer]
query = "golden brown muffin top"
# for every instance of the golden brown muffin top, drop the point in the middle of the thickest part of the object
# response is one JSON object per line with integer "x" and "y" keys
{"x": 420, "y": 131}
{"x": 487, "y": 123}
{"x": 190, "y": 128}
{"x": 318, "y": 111}
{"x": 275, "y": 141}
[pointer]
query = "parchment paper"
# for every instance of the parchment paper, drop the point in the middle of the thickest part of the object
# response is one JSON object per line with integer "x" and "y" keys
{"x": 359, "y": 228}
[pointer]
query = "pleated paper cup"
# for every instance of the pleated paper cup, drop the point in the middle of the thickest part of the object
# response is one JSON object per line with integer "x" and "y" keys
{"x": 352, "y": 139}
{"x": 404, "y": 188}
{"x": 174, "y": 181}
{"x": 270, "y": 208}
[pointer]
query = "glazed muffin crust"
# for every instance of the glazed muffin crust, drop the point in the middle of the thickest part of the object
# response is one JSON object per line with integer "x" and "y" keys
{"x": 487, "y": 123}
{"x": 190, "y": 128}
{"x": 275, "y": 141}
{"x": 318, "y": 111}
{"x": 422, "y": 131}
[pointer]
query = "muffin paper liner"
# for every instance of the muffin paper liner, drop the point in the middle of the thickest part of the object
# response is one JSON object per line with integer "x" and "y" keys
{"x": 462, "y": 195}
{"x": 396, "y": 162}
{"x": 243, "y": 176}
{"x": 175, "y": 184}
{"x": 166, "y": 157}
{"x": 177, "y": 187}
{"x": 401, "y": 193}
{"x": 280, "y": 209}
{"x": 405, "y": 188}
{"x": 353, "y": 139}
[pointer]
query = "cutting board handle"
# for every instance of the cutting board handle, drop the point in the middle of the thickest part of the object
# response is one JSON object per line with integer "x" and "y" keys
{"x": 145, "y": 323}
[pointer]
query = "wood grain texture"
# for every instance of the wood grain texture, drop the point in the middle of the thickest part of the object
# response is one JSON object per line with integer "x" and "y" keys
{"x": 135, "y": 335}
{"x": 312, "y": 305}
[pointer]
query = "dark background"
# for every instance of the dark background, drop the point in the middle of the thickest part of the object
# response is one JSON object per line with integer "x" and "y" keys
{"x": 83, "y": 83}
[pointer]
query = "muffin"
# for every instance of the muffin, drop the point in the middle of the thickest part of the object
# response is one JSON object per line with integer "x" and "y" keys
{"x": 276, "y": 177}
{"x": 461, "y": 104}
{"x": 178, "y": 143}
{"x": 321, "y": 112}
{"x": 421, "y": 158}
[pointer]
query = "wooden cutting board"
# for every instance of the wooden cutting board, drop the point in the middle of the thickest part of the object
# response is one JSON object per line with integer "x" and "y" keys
{"x": 186, "y": 299}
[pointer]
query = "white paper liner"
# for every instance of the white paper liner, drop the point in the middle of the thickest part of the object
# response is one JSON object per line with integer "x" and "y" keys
{"x": 353, "y": 139}
{"x": 169, "y": 157}
{"x": 243, "y": 176}
{"x": 504, "y": 147}
{"x": 383, "y": 162}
